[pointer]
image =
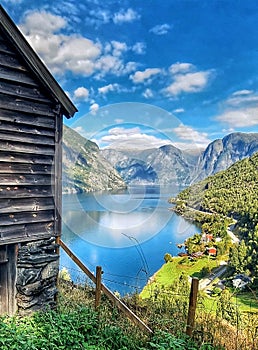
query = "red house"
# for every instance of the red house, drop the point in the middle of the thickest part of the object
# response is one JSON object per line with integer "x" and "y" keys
{"x": 212, "y": 250}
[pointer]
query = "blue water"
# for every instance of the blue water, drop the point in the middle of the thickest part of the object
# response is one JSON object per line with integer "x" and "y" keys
{"x": 126, "y": 233}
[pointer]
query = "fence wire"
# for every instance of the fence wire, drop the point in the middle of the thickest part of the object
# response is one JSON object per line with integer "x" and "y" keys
{"x": 220, "y": 320}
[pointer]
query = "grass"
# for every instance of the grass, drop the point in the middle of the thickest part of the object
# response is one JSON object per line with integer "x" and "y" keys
{"x": 246, "y": 301}
{"x": 172, "y": 270}
{"x": 76, "y": 325}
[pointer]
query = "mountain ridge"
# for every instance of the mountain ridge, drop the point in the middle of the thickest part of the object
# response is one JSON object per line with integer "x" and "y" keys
{"x": 86, "y": 168}
{"x": 168, "y": 164}
{"x": 222, "y": 153}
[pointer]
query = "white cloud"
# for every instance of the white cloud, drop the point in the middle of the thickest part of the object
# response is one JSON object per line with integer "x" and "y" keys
{"x": 98, "y": 16}
{"x": 139, "y": 48}
{"x": 79, "y": 129}
{"x": 107, "y": 88}
{"x": 81, "y": 93}
{"x": 185, "y": 132}
{"x": 178, "y": 67}
{"x": 178, "y": 110}
{"x": 160, "y": 29}
{"x": 240, "y": 109}
{"x": 228, "y": 131}
{"x": 142, "y": 76}
{"x": 73, "y": 53}
{"x": 42, "y": 23}
{"x": 123, "y": 16}
{"x": 242, "y": 92}
{"x": 244, "y": 98}
{"x": 111, "y": 64}
{"x": 189, "y": 82}
{"x": 60, "y": 52}
{"x": 132, "y": 138}
{"x": 148, "y": 93}
{"x": 186, "y": 78}
{"x": 240, "y": 117}
{"x": 118, "y": 48}
{"x": 94, "y": 108}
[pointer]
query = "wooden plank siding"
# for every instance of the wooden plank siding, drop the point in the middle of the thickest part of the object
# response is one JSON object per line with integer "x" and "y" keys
{"x": 30, "y": 151}
{"x": 8, "y": 257}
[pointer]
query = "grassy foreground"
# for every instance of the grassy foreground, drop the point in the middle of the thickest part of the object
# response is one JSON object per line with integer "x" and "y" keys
{"x": 76, "y": 325}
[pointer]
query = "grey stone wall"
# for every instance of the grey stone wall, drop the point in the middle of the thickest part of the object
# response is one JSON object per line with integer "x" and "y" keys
{"x": 37, "y": 272}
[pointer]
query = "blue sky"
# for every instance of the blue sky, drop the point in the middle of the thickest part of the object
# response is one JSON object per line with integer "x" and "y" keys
{"x": 180, "y": 71}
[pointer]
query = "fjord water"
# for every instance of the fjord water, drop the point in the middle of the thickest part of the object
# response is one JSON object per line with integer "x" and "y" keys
{"x": 127, "y": 233}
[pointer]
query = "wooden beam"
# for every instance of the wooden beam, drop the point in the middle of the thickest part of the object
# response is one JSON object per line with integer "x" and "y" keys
{"x": 32, "y": 129}
{"x": 27, "y": 119}
{"x": 119, "y": 304}
{"x": 30, "y": 191}
{"x": 26, "y": 180}
{"x": 14, "y": 146}
{"x": 26, "y": 217}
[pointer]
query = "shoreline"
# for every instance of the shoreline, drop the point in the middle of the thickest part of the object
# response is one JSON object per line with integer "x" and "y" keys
{"x": 233, "y": 237}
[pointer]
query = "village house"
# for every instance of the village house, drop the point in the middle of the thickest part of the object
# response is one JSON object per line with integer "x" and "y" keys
{"x": 206, "y": 238}
{"x": 211, "y": 251}
{"x": 240, "y": 281}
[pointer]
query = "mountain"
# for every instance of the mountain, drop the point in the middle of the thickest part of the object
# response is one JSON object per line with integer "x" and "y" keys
{"x": 169, "y": 165}
{"x": 231, "y": 193}
{"x": 84, "y": 168}
{"x": 222, "y": 153}
{"x": 164, "y": 165}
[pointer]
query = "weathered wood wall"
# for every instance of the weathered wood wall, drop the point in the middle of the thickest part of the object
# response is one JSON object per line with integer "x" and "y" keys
{"x": 8, "y": 271}
{"x": 30, "y": 151}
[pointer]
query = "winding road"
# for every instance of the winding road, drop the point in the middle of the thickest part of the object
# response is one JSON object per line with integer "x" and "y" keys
{"x": 205, "y": 282}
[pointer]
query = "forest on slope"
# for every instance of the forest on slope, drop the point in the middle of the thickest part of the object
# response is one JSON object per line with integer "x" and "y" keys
{"x": 232, "y": 193}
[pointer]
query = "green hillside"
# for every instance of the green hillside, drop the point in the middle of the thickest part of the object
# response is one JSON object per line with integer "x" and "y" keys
{"x": 84, "y": 168}
{"x": 231, "y": 193}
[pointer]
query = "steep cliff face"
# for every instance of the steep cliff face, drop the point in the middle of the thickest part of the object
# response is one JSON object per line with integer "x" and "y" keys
{"x": 220, "y": 154}
{"x": 169, "y": 165}
{"x": 132, "y": 165}
{"x": 84, "y": 168}
{"x": 164, "y": 166}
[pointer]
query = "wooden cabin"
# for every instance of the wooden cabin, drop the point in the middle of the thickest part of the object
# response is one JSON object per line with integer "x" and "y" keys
{"x": 32, "y": 106}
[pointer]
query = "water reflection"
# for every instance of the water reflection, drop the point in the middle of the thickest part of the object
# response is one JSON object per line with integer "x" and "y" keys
{"x": 108, "y": 219}
{"x": 129, "y": 244}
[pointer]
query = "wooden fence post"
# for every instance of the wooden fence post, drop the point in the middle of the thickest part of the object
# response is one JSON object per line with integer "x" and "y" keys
{"x": 98, "y": 286}
{"x": 117, "y": 302}
{"x": 192, "y": 306}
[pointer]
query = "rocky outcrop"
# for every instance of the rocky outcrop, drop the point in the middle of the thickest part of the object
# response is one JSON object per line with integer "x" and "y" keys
{"x": 222, "y": 153}
{"x": 37, "y": 271}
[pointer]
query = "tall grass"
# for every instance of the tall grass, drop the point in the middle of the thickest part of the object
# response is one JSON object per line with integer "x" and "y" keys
{"x": 75, "y": 324}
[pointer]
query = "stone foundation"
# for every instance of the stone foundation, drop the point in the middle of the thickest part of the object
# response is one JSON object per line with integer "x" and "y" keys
{"x": 37, "y": 272}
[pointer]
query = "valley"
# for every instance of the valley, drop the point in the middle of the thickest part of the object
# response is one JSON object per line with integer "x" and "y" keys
{"x": 220, "y": 189}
